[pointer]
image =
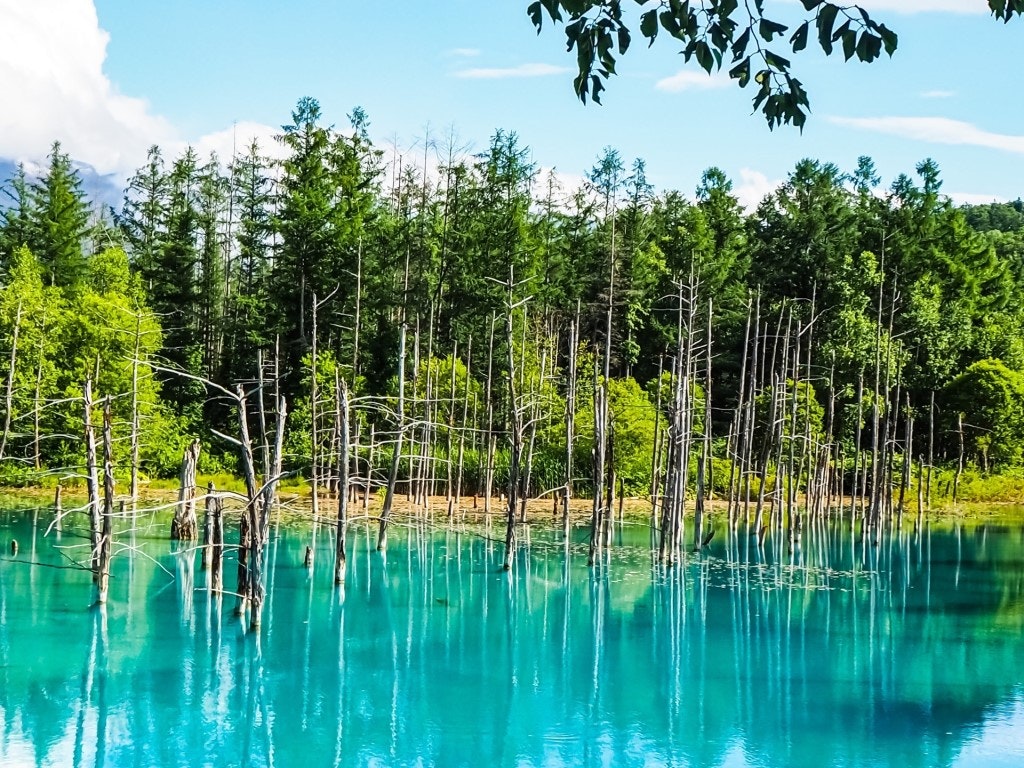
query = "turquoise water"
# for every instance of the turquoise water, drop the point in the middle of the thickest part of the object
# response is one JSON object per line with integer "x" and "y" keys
{"x": 907, "y": 655}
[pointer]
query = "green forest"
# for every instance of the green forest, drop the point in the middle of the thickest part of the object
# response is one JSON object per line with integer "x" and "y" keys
{"x": 496, "y": 329}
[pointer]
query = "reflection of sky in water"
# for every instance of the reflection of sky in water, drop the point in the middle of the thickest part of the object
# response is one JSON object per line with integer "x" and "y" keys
{"x": 908, "y": 654}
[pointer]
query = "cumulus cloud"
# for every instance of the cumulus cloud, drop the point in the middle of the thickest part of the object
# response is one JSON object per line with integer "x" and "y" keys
{"x": 237, "y": 138}
{"x": 521, "y": 70}
{"x": 753, "y": 187}
{"x": 691, "y": 80}
{"x": 53, "y": 87}
{"x": 937, "y": 130}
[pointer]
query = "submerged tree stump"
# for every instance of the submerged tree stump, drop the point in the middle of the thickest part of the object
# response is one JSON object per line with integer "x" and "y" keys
{"x": 58, "y": 508}
{"x": 185, "y": 526}
{"x": 211, "y": 501}
{"x": 216, "y": 545}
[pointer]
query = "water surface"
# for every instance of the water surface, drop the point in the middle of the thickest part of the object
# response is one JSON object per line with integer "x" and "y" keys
{"x": 908, "y": 654}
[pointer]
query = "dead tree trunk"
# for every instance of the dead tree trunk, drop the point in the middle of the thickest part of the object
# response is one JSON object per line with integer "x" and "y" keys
{"x": 491, "y": 440}
{"x": 600, "y": 443}
{"x": 259, "y": 510}
{"x": 92, "y": 482}
{"x": 396, "y": 457}
{"x": 959, "y": 457}
{"x": 37, "y": 398}
{"x": 704, "y": 462}
{"x": 185, "y": 525}
{"x": 737, "y": 443}
{"x": 134, "y": 487}
{"x": 460, "y": 469}
{"x": 931, "y": 451}
{"x": 368, "y": 484}
{"x": 216, "y": 544}
{"x": 103, "y": 556}
{"x": 9, "y": 393}
{"x": 343, "y": 464}
{"x": 58, "y": 511}
{"x": 516, "y": 436}
{"x": 211, "y": 501}
{"x": 570, "y": 421}
{"x": 314, "y": 395}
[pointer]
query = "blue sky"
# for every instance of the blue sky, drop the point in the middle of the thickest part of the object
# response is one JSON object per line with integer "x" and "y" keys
{"x": 110, "y": 77}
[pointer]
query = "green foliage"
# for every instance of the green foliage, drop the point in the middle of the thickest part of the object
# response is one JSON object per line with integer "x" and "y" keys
{"x": 632, "y": 433}
{"x": 60, "y": 220}
{"x": 735, "y": 35}
{"x": 797, "y": 409}
{"x": 990, "y": 398}
{"x": 754, "y": 47}
{"x": 221, "y": 267}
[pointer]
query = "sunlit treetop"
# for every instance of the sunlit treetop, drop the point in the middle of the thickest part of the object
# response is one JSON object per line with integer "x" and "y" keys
{"x": 725, "y": 33}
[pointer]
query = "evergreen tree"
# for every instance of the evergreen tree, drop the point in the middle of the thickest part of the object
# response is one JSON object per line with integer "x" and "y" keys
{"x": 61, "y": 220}
{"x": 143, "y": 217}
{"x": 17, "y": 217}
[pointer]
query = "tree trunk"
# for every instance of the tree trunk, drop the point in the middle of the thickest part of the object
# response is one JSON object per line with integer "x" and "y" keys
{"x": 211, "y": 501}
{"x": 92, "y": 481}
{"x": 343, "y": 464}
{"x": 134, "y": 488}
{"x": 103, "y": 558}
{"x": 260, "y": 511}
{"x": 396, "y": 457}
{"x": 217, "y": 545}
{"x": 9, "y": 393}
{"x": 184, "y": 526}
{"x": 570, "y": 422}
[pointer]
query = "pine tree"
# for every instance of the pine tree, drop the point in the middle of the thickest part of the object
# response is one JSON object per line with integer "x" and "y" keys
{"x": 17, "y": 217}
{"x": 62, "y": 220}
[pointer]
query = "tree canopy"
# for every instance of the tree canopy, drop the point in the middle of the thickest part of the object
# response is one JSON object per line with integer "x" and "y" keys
{"x": 216, "y": 270}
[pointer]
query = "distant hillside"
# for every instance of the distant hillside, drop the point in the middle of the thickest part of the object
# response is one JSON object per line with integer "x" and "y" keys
{"x": 103, "y": 190}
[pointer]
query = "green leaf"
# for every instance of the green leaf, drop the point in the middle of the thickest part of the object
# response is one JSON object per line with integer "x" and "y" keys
{"x": 739, "y": 48}
{"x": 769, "y": 29}
{"x": 889, "y": 39}
{"x": 623, "y": 35}
{"x": 649, "y": 25}
{"x": 799, "y": 38}
{"x": 741, "y": 72}
{"x": 849, "y": 43}
{"x": 669, "y": 23}
{"x": 776, "y": 62}
{"x": 869, "y": 47}
{"x": 841, "y": 31}
{"x": 534, "y": 12}
{"x": 704, "y": 57}
{"x": 825, "y": 20}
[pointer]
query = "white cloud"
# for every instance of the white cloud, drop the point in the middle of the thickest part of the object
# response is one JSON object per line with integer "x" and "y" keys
{"x": 53, "y": 87}
{"x": 692, "y": 80}
{"x": 237, "y": 138}
{"x": 974, "y": 198}
{"x": 463, "y": 53}
{"x": 753, "y": 187}
{"x": 937, "y": 130}
{"x": 522, "y": 70}
{"x": 938, "y": 94}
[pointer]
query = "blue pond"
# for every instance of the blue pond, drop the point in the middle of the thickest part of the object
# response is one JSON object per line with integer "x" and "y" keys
{"x": 840, "y": 654}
